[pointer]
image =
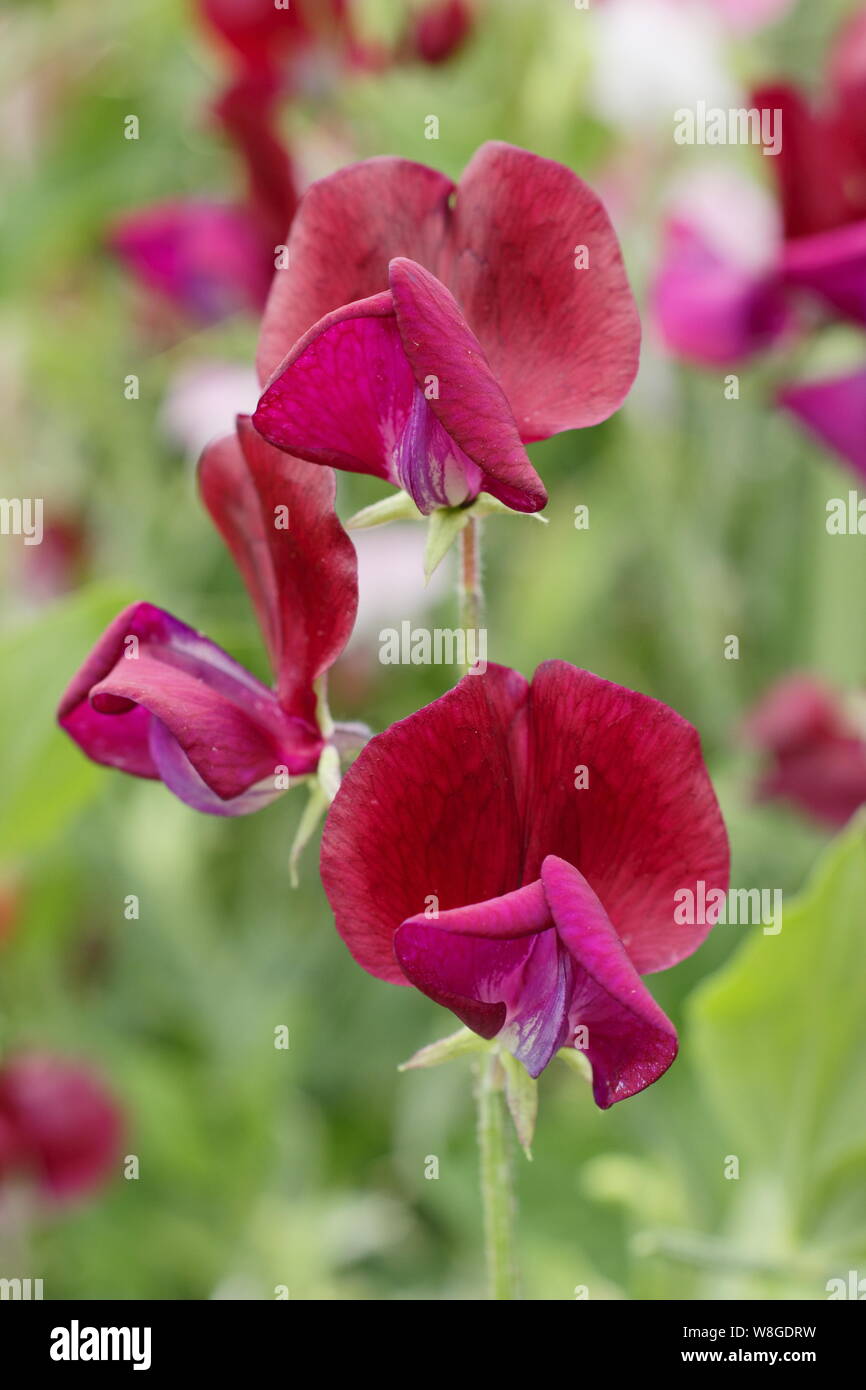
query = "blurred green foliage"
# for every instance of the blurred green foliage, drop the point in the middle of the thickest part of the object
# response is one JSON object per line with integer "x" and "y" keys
{"x": 305, "y": 1168}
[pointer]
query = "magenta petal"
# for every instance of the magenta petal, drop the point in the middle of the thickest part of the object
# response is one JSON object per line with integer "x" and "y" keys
{"x": 344, "y": 394}
{"x": 227, "y": 723}
{"x": 645, "y": 826}
{"x": 833, "y": 265}
{"x": 429, "y": 811}
{"x": 465, "y": 397}
{"x": 430, "y": 466}
{"x": 712, "y": 311}
{"x": 347, "y": 229}
{"x": 630, "y": 1042}
{"x": 835, "y": 412}
{"x": 206, "y": 258}
{"x": 302, "y": 578}
{"x": 497, "y": 966}
{"x": 562, "y": 342}
{"x": 177, "y": 773}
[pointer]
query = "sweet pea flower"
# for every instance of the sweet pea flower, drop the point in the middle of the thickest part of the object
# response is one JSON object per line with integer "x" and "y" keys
{"x": 424, "y": 333}
{"x": 157, "y": 699}
{"x": 59, "y": 1127}
{"x": 514, "y": 850}
{"x": 439, "y": 30}
{"x": 814, "y": 747}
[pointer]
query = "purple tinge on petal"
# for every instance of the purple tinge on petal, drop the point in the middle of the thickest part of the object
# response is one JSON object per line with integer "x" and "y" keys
{"x": 178, "y": 774}
{"x": 497, "y": 966}
{"x": 629, "y": 1040}
{"x": 226, "y": 723}
{"x": 537, "y": 967}
{"x": 834, "y": 411}
{"x": 430, "y": 466}
{"x": 451, "y": 368}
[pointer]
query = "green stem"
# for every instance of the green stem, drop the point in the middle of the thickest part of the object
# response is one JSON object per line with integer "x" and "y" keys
{"x": 470, "y": 596}
{"x": 497, "y": 1193}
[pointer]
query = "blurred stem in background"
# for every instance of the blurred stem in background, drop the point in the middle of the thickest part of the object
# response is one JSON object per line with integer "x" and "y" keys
{"x": 497, "y": 1180}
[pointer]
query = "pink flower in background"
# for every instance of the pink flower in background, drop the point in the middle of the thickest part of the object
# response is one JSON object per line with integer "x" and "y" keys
{"x": 718, "y": 305}
{"x": 424, "y": 333}
{"x": 59, "y": 1127}
{"x": 513, "y": 850}
{"x": 718, "y": 298}
{"x": 814, "y": 747}
{"x": 204, "y": 257}
{"x": 157, "y": 699}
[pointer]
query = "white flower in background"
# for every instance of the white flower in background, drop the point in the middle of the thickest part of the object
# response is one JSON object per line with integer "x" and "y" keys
{"x": 654, "y": 56}
{"x": 202, "y": 402}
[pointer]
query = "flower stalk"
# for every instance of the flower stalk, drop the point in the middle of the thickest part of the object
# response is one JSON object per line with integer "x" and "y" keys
{"x": 497, "y": 1180}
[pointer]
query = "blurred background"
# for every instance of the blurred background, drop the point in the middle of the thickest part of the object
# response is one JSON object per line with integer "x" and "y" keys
{"x": 305, "y": 1168}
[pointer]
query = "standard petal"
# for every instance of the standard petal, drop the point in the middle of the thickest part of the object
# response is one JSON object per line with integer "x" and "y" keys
{"x": 834, "y": 411}
{"x": 450, "y": 368}
{"x": 347, "y": 228}
{"x": 344, "y": 394}
{"x": 276, "y": 515}
{"x": 629, "y": 1041}
{"x": 427, "y": 817}
{"x": 618, "y": 788}
{"x": 227, "y": 723}
{"x": 562, "y": 342}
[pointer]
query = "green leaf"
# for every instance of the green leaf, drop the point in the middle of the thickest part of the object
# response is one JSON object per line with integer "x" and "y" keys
{"x": 779, "y": 1036}
{"x": 457, "y": 1044}
{"x": 396, "y": 507}
{"x": 521, "y": 1096}
{"x": 445, "y": 525}
{"x": 46, "y": 778}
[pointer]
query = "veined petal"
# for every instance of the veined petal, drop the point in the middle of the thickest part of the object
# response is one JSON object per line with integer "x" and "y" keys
{"x": 618, "y": 788}
{"x": 562, "y": 341}
{"x": 276, "y": 515}
{"x": 343, "y": 395}
{"x": 427, "y": 815}
{"x": 347, "y": 229}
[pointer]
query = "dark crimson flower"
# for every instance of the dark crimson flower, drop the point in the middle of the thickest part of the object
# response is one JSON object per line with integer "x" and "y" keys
{"x": 424, "y": 333}
{"x": 59, "y": 1127}
{"x": 815, "y": 749}
{"x": 264, "y": 35}
{"x": 440, "y": 29}
{"x": 157, "y": 699}
{"x": 514, "y": 851}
